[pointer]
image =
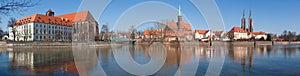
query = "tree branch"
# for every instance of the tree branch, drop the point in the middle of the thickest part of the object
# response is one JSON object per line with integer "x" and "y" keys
{"x": 10, "y": 6}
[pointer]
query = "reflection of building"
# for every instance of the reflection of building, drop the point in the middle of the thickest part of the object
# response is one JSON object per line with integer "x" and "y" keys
{"x": 39, "y": 27}
{"x": 46, "y": 61}
{"x": 242, "y": 54}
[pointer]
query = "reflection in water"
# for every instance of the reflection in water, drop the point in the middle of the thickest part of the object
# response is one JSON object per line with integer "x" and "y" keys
{"x": 266, "y": 60}
{"x": 242, "y": 54}
{"x": 42, "y": 60}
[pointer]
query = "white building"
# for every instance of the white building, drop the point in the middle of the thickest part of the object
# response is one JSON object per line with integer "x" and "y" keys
{"x": 237, "y": 33}
{"x": 46, "y": 27}
{"x": 203, "y": 35}
{"x": 257, "y": 35}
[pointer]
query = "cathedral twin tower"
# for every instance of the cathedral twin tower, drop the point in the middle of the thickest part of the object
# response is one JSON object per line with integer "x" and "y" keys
{"x": 250, "y": 25}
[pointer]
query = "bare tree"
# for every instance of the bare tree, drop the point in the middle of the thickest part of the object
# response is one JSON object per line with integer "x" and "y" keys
{"x": 132, "y": 31}
{"x": 15, "y": 6}
{"x": 11, "y": 22}
{"x": 160, "y": 26}
{"x": 288, "y": 35}
{"x": 230, "y": 35}
{"x": 104, "y": 32}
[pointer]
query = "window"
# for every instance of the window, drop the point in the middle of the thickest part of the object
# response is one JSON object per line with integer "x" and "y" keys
{"x": 36, "y": 31}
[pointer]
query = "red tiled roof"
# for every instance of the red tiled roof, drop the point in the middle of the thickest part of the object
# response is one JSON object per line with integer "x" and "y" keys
{"x": 201, "y": 31}
{"x": 147, "y": 32}
{"x": 173, "y": 25}
{"x": 78, "y": 16}
{"x": 65, "y": 20}
{"x": 237, "y": 29}
{"x": 257, "y": 33}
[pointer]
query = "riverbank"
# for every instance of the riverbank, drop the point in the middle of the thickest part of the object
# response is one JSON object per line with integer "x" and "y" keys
{"x": 235, "y": 43}
{"x": 215, "y": 43}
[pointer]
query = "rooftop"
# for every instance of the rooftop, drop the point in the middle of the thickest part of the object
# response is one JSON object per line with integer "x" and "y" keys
{"x": 64, "y": 20}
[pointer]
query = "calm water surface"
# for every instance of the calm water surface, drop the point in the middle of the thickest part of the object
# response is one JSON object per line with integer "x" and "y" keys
{"x": 239, "y": 60}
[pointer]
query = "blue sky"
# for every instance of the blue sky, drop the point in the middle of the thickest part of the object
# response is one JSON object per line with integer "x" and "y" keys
{"x": 272, "y": 16}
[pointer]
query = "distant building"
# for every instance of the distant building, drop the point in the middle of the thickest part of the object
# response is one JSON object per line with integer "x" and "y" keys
{"x": 39, "y": 27}
{"x": 172, "y": 31}
{"x": 85, "y": 27}
{"x": 246, "y": 33}
{"x": 257, "y": 35}
{"x": 237, "y": 33}
{"x": 202, "y": 34}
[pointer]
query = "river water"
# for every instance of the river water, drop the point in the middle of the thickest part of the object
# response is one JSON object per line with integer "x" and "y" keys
{"x": 157, "y": 59}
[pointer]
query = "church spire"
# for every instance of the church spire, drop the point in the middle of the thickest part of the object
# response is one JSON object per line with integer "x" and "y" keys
{"x": 243, "y": 21}
{"x": 250, "y": 28}
{"x": 244, "y": 14}
{"x": 179, "y": 20}
{"x": 179, "y": 11}
{"x": 250, "y": 13}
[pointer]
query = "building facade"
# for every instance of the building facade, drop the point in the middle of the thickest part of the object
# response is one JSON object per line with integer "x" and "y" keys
{"x": 39, "y": 27}
{"x": 237, "y": 33}
{"x": 203, "y": 35}
{"x": 257, "y": 35}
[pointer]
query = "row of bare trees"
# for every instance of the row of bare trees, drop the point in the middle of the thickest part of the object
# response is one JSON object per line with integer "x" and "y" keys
{"x": 289, "y": 36}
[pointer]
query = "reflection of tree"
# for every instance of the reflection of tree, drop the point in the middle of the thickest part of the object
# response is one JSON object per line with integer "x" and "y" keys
{"x": 269, "y": 49}
{"x": 288, "y": 51}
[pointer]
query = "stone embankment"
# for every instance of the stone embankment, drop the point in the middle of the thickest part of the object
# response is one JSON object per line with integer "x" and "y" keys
{"x": 215, "y": 43}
